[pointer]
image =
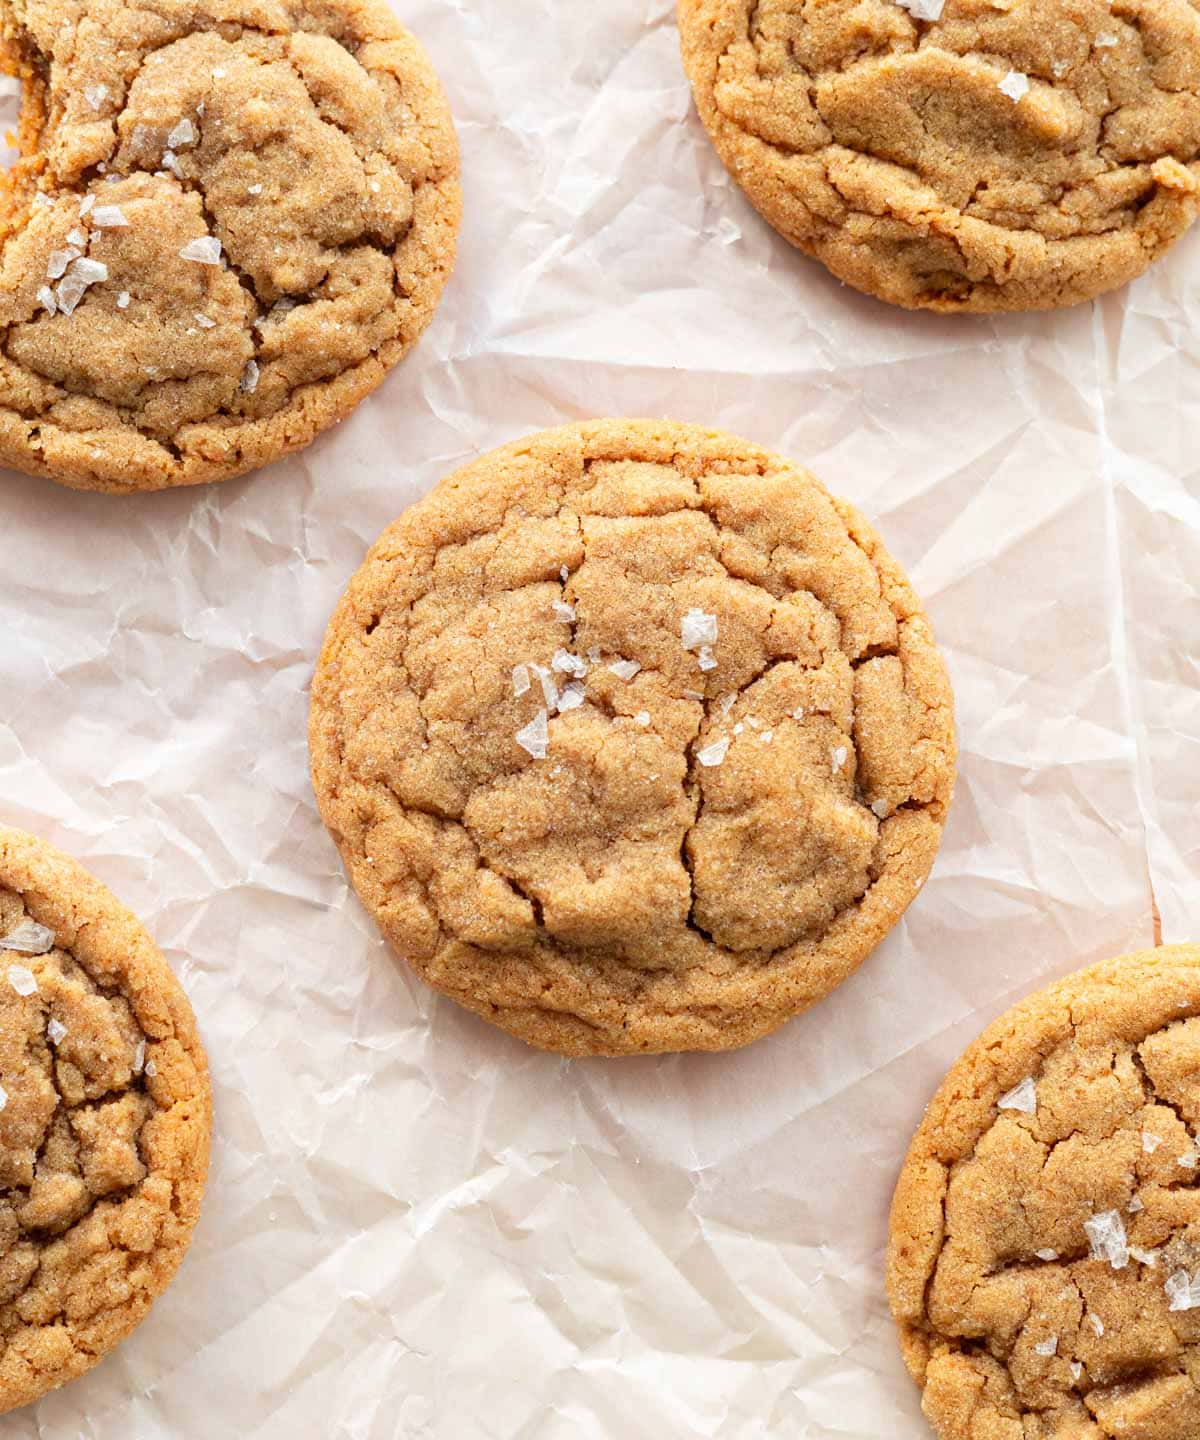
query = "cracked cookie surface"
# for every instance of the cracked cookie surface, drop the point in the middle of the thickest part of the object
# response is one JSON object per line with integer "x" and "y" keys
{"x": 1007, "y": 155}
{"x": 1044, "y": 1265}
{"x": 231, "y": 219}
{"x": 632, "y": 738}
{"x": 105, "y": 1115}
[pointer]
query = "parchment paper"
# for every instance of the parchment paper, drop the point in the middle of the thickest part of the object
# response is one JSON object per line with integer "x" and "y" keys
{"x": 415, "y": 1226}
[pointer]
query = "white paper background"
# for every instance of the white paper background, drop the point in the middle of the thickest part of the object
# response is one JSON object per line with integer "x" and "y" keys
{"x": 415, "y": 1226}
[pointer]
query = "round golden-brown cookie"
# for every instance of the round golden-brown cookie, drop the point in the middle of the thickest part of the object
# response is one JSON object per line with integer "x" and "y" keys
{"x": 229, "y": 223}
{"x": 105, "y": 1114}
{"x": 964, "y": 155}
{"x": 632, "y": 738}
{"x": 1044, "y": 1267}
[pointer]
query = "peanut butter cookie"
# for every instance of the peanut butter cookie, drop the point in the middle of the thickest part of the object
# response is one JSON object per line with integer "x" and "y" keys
{"x": 632, "y": 738}
{"x": 1044, "y": 1267}
{"x": 959, "y": 154}
{"x": 230, "y": 221}
{"x": 104, "y": 1120}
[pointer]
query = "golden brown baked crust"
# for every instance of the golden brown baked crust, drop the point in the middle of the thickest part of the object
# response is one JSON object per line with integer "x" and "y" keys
{"x": 721, "y": 828}
{"x": 1044, "y": 1266}
{"x": 104, "y": 1120}
{"x": 1000, "y": 157}
{"x": 231, "y": 220}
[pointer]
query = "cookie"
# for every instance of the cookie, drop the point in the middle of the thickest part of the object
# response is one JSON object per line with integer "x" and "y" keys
{"x": 1044, "y": 1266}
{"x": 632, "y": 738}
{"x": 105, "y": 1116}
{"x": 229, "y": 222}
{"x": 959, "y": 155}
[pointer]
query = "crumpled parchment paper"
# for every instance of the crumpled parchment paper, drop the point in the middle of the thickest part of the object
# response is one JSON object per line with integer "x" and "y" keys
{"x": 415, "y": 1226}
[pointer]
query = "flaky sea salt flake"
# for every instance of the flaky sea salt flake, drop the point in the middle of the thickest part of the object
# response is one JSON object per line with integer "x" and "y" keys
{"x": 534, "y": 738}
{"x": 56, "y": 265}
{"x": 1144, "y": 1257}
{"x": 151, "y": 1069}
{"x": 715, "y": 753}
{"x": 1015, "y": 85}
{"x": 697, "y": 628}
{"x": 248, "y": 384}
{"x": 563, "y": 610}
{"x": 1150, "y": 1141}
{"x": 56, "y": 1031}
{"x": 1183, "y": 1291}
{"x": 1046, "y": 1254}
{"x": 1135, "y": 1205}
{"x": 1106, "y": 42}
{"x": 767, "y": 736}
{"x": 254, "y": 190}
{"x": 642, "y": 718}
{"x": 1020, "y": 1097}
{"x": 46, "y": 298}
{"x": 3, "y": 1097}
{"x": 22, "y": 979}
{"x": 1048, "y": 1346}
{"x": 705, "y": 658}
{"x": 624, "y": 669}
{"x": 568, "y": 664}
{"x": 204, "y": 250}
{"x": 95, "y": 95}
{"x": 109, "y": 217}
{"x": 123, "y": 300}
{"x": 139, "y": 1057}
{"x": 171, "y": 163}
{"x": 203, "y": 321}
{"x": 1076, "y": 1369}
{"x": 1097, "y": 1324}
{"x": 549, "y": 688}
{"x": 879, "y": 808}
{"x": 838, "y": 758}
{"x": 91, "y": 272}
{"x": 183, "y": 134}
{"x": 520, "y": 680}
{"x": 78, "y": 238}
{"x": 1106, "y": 1232}
{"x": 85, "y": 205}
{"x": 571, "y": 698}
{"x": 923, "y": 9}
{"x": 28, "y": 938}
